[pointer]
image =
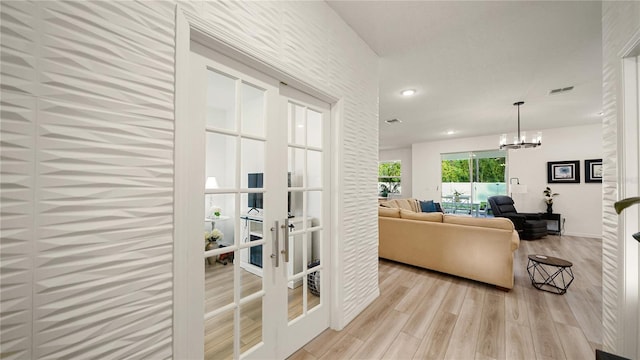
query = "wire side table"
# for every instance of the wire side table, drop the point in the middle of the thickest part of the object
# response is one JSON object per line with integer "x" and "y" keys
{"x": 550, "y": 274}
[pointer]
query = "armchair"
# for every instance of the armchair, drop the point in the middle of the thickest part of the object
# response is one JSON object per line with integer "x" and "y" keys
{"x": 529, "y": 226}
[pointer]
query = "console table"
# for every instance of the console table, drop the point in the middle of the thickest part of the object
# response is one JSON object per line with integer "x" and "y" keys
{"x": 554, "y": 223}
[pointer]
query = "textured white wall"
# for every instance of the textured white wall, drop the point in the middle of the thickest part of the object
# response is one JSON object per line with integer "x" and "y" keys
{"x": 580, "y": 203}
{"x": 404, "y": 155}
{"x": 620, "y": 21}
{"x": 87, "y": 163}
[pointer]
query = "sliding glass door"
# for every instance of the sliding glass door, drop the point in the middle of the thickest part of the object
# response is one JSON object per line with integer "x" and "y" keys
{"x": 469, "y": 178}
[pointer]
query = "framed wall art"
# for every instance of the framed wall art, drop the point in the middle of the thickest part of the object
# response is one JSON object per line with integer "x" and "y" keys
{"x": 593, "y": 171}
{"x": 563, "y": 171}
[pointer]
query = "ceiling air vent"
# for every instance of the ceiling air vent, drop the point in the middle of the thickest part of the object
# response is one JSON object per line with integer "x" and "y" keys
{"x": 393, "y": 121}
{"x": 560, "y": 90}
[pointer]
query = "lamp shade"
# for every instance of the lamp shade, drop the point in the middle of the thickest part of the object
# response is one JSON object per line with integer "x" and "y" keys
{"x": 211, "y": 183}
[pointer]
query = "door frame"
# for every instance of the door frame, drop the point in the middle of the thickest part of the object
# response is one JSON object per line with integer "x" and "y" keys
{"x": 190, "y": 28}
{"x": 627, "y": 179}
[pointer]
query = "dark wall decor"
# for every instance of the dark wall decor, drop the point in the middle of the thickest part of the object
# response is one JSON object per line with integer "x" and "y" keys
{"x": 563, "y": 171}
{"x": 593, "y": 171}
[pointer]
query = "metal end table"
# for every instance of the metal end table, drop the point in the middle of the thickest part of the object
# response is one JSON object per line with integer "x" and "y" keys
{"x": 550, "y": 274}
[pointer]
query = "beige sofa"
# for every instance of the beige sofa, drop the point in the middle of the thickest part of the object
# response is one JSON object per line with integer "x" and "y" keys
{"x": 474, "y": 248}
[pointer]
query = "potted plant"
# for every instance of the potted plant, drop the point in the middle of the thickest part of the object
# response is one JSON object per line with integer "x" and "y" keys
{"x": 456, "y": 195}
{"x": 548, "y": 199}
{"x": 625, "y": 203}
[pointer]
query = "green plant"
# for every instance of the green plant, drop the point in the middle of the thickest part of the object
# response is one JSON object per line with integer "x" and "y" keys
{"x": 625, "y": 203}
{"x": 548, "y": 195}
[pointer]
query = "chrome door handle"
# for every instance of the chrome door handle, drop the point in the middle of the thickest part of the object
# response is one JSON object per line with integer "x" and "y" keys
{"x": 276, "y": 245}
{"x": 285, "y": 232}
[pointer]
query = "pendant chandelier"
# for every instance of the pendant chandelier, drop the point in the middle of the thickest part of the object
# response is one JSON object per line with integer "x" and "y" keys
{"x": 520, "y": 140}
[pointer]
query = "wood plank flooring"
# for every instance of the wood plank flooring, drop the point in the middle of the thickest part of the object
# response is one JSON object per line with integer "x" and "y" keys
{"x": 423, "y": 314}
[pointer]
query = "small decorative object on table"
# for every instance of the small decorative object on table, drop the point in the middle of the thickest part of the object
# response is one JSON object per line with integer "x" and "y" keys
{"x": 212, "y": 237}
{"x": 215, "y": 212}
{"x": 548, "y": 199}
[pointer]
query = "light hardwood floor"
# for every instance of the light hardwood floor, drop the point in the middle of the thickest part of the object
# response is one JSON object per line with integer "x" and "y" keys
{"x": 423, "y": 314}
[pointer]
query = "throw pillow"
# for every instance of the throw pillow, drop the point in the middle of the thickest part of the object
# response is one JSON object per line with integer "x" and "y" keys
{"x": 439, "y": 208}
{"x": 428, "y": 206}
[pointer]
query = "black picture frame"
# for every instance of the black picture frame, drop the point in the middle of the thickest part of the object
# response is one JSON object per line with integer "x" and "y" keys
{"x": 563, "y": 172}
{"x": 593, "y": 171}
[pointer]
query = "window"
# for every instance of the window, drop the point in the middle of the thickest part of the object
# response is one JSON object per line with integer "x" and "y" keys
{"x": 469, "y": 178}
{"x": 389, "y": 178}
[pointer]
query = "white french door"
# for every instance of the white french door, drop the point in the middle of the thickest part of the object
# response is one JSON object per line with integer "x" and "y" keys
{"x": 266, "y": 201}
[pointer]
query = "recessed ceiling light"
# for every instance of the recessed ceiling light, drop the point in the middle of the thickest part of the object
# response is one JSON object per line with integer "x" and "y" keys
{"x": 408, "y": 92}
{"x": 601, "y": 113}
{"x": 450, "y": 132}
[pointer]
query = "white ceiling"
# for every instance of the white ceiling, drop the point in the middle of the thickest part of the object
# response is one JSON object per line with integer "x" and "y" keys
{"x": 470, "y": 61}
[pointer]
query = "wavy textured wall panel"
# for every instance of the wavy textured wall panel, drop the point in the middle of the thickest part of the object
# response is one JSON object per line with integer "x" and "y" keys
{"x": 17, "y": 184}
{"x": 620, "y": 20}
{"x": 92, "y": 238}
{"x": 87, "y": 162}
{"x": 18, "y": 41}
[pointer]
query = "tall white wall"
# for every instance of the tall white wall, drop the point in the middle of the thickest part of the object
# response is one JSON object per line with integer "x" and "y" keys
{"x": 87, "y": 163}
{"x": 620, "y": 22}
{"x": 404, "y": 155}
{"x": 580, "y": 204}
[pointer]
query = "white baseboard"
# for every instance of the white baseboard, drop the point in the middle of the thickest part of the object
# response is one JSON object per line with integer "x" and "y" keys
{"x": 598, "y": 236}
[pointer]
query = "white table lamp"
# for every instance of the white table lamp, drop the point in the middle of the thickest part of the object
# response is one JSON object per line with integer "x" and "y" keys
{"x": 211, "y": 183}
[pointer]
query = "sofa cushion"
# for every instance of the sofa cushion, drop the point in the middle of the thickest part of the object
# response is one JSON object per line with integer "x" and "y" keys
{"x": 428, "y": 206}
{"x": 388, "y": 212}
{"x": 495, "y": 223}
{"x": 430, "y": 216}
{"x": 407, "y": 204}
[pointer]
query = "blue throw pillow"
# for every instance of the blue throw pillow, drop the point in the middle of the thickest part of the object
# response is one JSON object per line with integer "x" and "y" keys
{"x": 428, "y": 206}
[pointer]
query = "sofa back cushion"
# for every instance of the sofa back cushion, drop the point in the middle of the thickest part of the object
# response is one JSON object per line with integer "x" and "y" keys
{"x": 431, "y": 216}
{"x": 388, "y": 212}
{"x": 495, "y": 223}
{"x": 407, "y": 204}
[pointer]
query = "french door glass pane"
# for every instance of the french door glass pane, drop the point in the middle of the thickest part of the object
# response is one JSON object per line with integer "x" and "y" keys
{"x": 252, "y": 175}
{"x": 252, "y": 110}
{"x": 314, "y": 168}
{"x": 296, "y": 167}
{"x": 218, "y": 336}
{"x": 250, "y": 324}
{"x": 295, "y": 203}
{"x": 314, "y": 129}
{"x": 314, "y": 207}
{"x": 297, "y": 132}
{"x": 221, "y": 102}
{"x": 221, "y": 159}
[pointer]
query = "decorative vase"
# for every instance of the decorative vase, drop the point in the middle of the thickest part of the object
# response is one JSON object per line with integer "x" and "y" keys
{"x": 549, "y": 208}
